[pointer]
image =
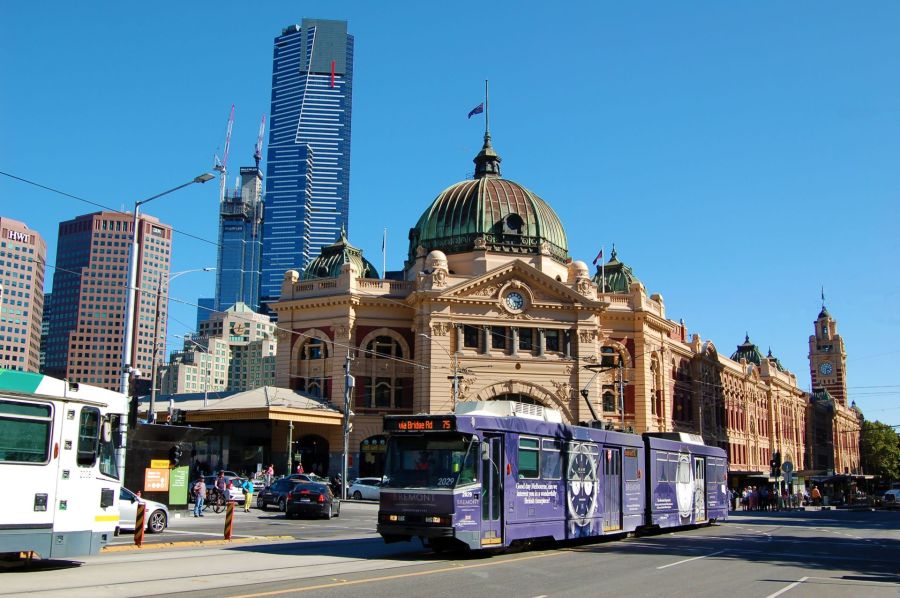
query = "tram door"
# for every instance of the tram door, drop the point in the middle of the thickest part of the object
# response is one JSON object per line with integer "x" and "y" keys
{"x": 612, "y": 489}
{"x": 699, "y": 490}
{"x": 492, "y": 492}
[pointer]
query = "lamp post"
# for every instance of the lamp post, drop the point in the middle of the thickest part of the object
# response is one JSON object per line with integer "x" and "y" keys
{"x": 132, "y": 279}
{"x": 456, "y": 377}
{"x": 349, "y": 383}
{"x": 151, "y": 412}
{"x": 206, "y": 375}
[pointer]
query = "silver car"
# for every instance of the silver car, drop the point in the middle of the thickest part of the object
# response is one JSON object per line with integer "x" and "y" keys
{"x": 156, "y": 514}
{"x": 365, "y": 488}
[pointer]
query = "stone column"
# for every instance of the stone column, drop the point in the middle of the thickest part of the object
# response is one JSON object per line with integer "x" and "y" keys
{"x": 486, "y": 340}
{"x": 514, "y": 339}
{"x": 540, "y": 342}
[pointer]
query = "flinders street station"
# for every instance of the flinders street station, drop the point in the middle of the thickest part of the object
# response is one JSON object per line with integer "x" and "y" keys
{"x": 491, "y": 305}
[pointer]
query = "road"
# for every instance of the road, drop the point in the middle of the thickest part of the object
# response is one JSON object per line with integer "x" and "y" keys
{"x": 793, "y": 555}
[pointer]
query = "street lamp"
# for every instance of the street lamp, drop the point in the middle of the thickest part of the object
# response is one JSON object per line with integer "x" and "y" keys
{"x": 456, "y": 377}
{"x": 151, "y": 414}
{"x": 132, "y": 278}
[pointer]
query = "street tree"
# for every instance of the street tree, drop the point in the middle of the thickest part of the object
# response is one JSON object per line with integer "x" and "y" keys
{"x": 880, "y": 450}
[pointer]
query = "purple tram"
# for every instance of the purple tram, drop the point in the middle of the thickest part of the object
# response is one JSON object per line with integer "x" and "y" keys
{"x": 499, "y": 473}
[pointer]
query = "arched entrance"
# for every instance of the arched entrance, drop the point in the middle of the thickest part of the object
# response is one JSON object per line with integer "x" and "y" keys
{"x": 371, "y": 456}
{"x": 313, "y": 451}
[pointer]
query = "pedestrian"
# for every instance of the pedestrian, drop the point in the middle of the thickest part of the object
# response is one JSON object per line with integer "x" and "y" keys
{"x": 222, "y": 486}
{"x": 816, "y": 496}
{"x": 299, "y": 467}
{"x": 199, "y": 496}
{"x": 270, "y": 474}
{"x": 247, "y": 487}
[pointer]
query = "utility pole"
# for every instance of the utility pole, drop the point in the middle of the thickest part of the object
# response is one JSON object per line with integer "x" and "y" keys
{"x": 290, "y": 447}
{"x": 622, "y": 393}
{"x": 349, "y": 383}
{"x": 456, "y": 377}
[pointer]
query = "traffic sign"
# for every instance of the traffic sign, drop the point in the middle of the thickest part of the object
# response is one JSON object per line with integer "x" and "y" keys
{"x": 787, "y": 467}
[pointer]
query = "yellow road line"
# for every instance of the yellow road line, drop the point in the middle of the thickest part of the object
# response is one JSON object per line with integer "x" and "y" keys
{"x": 452, "y": 567}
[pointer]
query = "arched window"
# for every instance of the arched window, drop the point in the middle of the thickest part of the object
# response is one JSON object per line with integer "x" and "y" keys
{"x": 310, "y": 374}
{"x": 609, "y": 401}
{"x": 384, "y": 347}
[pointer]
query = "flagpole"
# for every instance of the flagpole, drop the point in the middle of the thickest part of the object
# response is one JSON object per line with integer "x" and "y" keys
{"x": 602, "y": 270}
{"x": 384, "y": 255}
{"x": 487, "y": 110}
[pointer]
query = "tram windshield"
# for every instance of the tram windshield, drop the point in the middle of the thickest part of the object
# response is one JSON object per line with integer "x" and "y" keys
{"x": 431, "y": 461}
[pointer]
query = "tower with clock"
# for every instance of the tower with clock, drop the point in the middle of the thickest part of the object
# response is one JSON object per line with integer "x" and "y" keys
{"x": 828, "y": 358}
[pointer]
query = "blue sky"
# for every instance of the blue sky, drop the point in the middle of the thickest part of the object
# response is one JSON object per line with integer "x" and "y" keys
{"x": 739, "y": 155}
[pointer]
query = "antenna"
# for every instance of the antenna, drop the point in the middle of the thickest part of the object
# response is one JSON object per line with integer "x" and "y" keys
{"x": 257, "y": 153}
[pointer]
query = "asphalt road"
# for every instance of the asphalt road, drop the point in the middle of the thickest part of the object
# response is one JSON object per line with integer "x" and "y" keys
{"x": 820, "y": 554}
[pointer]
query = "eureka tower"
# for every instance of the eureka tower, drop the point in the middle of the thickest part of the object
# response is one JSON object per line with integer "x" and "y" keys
{"x": 308, "y": 162}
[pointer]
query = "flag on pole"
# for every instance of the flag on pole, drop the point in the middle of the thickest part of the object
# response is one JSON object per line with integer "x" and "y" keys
{"x": 476, "y": 110}
{"x": 599, "y": 257}
{"x": 384, "y": 254}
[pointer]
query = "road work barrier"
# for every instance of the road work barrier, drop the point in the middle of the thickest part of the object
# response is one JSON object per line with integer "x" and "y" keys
{"x": 139, "y": 525}
{"x": 229, "y": 518}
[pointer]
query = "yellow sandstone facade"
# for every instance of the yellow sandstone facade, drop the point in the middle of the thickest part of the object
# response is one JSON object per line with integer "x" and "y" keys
{"x": 490, "y": 305}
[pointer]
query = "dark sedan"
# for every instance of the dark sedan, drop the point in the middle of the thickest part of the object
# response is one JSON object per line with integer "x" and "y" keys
{"x": 275, "y": 494}
{"x": 308, "y": 498}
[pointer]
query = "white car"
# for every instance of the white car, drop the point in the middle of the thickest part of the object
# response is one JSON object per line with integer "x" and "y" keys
{"x": 365, "y": 488}
{"x": 156, "y": 514}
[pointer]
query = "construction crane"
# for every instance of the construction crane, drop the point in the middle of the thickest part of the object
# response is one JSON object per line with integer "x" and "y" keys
{"x": 257, "y": 153}
{"x": 221, "y": 166}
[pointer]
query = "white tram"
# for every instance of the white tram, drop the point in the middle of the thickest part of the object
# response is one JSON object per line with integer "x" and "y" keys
{"x": 61, "y": 462}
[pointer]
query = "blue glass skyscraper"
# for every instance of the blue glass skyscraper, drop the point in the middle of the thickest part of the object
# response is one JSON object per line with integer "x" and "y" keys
{"x": 308, "y": 161}
{"x": 240, "y": 244}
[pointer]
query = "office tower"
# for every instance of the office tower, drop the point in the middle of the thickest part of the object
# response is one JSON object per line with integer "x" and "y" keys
{"x": 205, "y": 308}
{"x": 89, "y": 292}
{"x": 23, "y": 255}
{"x": 240, "y": 243}
{"x": 45, "y": 329}
{"x": 308, "y": 166}
{"x": 234, "y": 351}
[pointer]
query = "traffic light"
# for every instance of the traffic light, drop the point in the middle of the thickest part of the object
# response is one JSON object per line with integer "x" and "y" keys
{"x": 175, "y": 454}
{"x": 777, "y": 459}
{"x": 132, "y": 413}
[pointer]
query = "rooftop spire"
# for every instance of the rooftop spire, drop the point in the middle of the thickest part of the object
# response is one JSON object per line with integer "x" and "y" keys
{"x": 487, "y": 162}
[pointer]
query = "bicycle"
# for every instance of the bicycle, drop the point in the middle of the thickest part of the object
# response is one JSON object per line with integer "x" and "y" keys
{"x": 214, "y": 500}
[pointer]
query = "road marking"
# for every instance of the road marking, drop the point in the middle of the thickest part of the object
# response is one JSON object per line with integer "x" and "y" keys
{"x": 691, "y": 559}
{"x": 397, "y": 576}
{"x": 788, "y": 587}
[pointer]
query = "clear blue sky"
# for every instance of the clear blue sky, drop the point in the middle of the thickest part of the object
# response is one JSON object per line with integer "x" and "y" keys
{"x": 739, "y": 155}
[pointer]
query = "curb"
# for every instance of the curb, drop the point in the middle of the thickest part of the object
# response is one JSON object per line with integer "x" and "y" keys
{"x": 190, "y": 543}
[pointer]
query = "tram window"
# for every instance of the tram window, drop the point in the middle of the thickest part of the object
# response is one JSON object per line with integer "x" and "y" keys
{"x": 631, "y": 464}
{"x": 551, "y": 460}
{"x": 529, "y": 458}
{"x": 684, "y": 472}
{"x": 662, "y": 468}
{"x": 672, "y": 467}
{"x": 88, "y": 436}
{"x": 25, "y": 432}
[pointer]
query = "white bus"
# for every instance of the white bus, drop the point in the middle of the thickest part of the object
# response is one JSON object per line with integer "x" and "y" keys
{"x": 61, "y": 462}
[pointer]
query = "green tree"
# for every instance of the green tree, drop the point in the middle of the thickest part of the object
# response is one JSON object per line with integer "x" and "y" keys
{"x": 880, "y": 448}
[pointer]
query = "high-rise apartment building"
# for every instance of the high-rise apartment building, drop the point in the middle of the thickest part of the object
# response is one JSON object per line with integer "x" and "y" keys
{"x": 234, "y": 351}
{"x": 308, "y": 161}
{"x": 89, "y": 293}
{"x": 23, "y": 255}
{"x": 240, "y": 243}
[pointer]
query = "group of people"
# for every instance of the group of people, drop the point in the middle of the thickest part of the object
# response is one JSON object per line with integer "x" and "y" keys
{"x": 223, "y": 487}
{"x": 769, "y": 498}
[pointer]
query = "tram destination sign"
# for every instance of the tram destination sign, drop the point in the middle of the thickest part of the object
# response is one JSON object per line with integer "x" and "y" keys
{"x": 420, "y": 423}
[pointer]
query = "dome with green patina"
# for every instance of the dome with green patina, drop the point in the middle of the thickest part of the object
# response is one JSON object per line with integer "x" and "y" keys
{"x": 747, "y": 351}
{"x": 329, "y": 262}
{"x": 491, "y": 213}
{"x": 776, "y": 361}
{"x": 618, "y": 275}
{"x": 821, "y": 399}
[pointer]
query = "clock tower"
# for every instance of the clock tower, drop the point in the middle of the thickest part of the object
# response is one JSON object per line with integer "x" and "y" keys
{"x": 827, "y": 358}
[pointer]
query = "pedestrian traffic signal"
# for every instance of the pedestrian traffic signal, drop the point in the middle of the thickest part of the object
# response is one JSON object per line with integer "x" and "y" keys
{"x": 175, "y": 454}
{"x": 777, "y": 460}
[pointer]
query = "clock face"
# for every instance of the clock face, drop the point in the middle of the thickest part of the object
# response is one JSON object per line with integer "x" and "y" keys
{"x": 515, "y": 301}
{"x": 826, "y": 368}
{"x": 239, "y": 328}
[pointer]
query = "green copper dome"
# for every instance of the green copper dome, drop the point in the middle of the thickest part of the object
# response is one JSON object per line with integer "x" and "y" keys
{"x": 747, "y": 351}
{"x": 333, "y": 257}
{"x": 489, "y": 212}
{"x": 618, "y": 276}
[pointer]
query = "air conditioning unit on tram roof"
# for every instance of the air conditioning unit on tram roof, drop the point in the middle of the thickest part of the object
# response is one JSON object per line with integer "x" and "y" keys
{"x": 510, "y": 409}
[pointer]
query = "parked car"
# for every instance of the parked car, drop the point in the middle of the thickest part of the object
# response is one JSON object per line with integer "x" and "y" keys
{"x": 156, "y": 514}
{"x": 308, "y": 498}
{"x": 365, "y": 488}
{"x": 891, "y": 499}
{"x": 308, "y": 477}
{"x": 275, "y": 494}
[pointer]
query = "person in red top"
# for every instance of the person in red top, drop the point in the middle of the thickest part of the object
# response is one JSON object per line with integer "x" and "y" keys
{"x": 299, "y": 467}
